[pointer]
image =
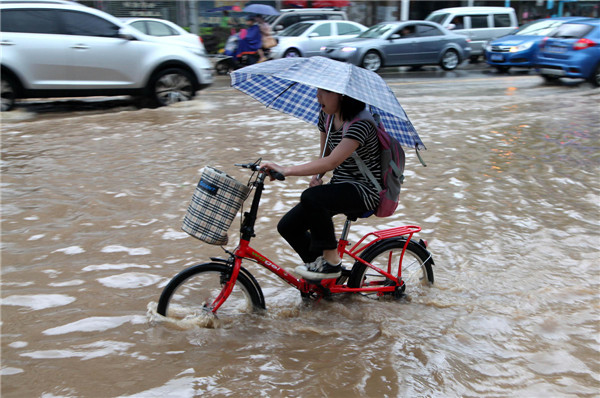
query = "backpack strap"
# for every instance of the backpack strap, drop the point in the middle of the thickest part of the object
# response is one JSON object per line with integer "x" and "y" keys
{"x": 365, "y": 171}
{"x": 362, "y": 167}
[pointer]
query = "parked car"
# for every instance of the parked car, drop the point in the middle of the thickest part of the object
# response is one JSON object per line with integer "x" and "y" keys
{"x": 70, "y": 50}
{"x": 408, "y": 43}
{"x": 479, "y": 24}
{"x": 305, "y": 39}
{"x": 288, "y": 17}
{"x": 168, "y": 32}
{"x": 572, "y": 50}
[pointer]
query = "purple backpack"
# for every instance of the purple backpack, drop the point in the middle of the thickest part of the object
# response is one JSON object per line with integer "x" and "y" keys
{"x": 392, "y": 165}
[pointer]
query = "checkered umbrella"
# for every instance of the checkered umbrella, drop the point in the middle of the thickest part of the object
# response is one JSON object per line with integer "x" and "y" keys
{"x": 290, "y": 85}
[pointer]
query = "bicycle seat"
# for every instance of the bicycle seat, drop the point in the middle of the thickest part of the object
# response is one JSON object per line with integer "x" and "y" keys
{"x": 356, "y": 216}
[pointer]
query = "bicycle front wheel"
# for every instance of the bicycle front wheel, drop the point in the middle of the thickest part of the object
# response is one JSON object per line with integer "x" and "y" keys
{"x": 193, "y": 291}
{"x": 415, "y": 269}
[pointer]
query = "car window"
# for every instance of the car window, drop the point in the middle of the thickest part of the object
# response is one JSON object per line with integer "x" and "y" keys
{"x": 406, "y": 31}
{"x": 538, "y": 28}
{"x": 437, "y": 18}
{"x": 160, "y": 29}
{"x": 501, "y": 20}
{"x": 345, "y": 28}
{"x": 270, "y": 18}
{"x": 427, "y": 30}
{"x": 377, "y": 31}
{"x": 141, "y": 26}
{"x": 289, "y": 20}
{"x": 479, "y": 21}
{"x": 572, "y": 31}
{"x": 83, "y": 24}
{"x": 296, "y": 29}
{"x": 322, "y": 30}
{"x": 29, "y": 21}
{"x": 311, "y": 17}
{"x": 458, "y": 22}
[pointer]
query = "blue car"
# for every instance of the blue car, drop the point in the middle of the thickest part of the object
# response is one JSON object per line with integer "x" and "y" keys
{"x": 519, "y": 48}
{"x": 572, "y": 50}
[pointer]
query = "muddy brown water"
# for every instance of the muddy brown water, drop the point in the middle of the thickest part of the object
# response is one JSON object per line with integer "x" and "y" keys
{"x": 92, "y": 204}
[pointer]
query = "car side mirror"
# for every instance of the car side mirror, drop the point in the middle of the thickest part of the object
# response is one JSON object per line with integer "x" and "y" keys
{"x": 313, "y": 35}
{"x": 125, "y": 35}
{"x": 394, "y": 36}
{"x": 277, "y": 28}
{"x": 451, "y": 26}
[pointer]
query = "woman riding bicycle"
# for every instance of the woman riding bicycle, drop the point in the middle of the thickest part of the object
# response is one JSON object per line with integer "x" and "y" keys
{"x": 308, "y": 227}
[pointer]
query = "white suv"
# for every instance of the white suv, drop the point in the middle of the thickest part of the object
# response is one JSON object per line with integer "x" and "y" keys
{"x": 56, "y": 49}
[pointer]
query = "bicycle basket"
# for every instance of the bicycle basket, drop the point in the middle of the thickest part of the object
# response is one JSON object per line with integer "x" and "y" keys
{"x": 215, "y": 203}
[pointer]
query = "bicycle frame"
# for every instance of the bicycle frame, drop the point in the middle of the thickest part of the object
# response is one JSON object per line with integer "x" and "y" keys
{"x": 245, "y": 251}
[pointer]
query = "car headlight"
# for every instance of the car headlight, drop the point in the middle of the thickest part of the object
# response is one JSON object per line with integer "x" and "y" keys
{"x": 348, "y": 49}
{"x": 521, "y": 47}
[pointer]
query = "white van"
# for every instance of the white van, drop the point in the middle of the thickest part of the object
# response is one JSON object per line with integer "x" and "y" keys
{"x": 480, "y": 24}
{"x": 288, "y": 17}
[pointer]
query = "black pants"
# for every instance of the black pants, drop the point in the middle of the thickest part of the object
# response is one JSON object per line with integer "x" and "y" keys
{"x": 245, "y": 60}
{"x": 308, "y": 227}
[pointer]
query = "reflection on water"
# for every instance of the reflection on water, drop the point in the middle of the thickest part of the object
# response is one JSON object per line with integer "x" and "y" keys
{"x": 91, "y": 212}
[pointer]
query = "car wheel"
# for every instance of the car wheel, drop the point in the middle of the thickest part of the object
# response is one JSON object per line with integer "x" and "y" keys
{"x": 8, "y": 92}
{"x": 170, "y": 86}
{"x": 222, "y": 67}
{"x": 450, "y": 60}
{"x": 550, "y": 78}
{"x": 292, "y": 53}
{"x": 595, "y": 77}
{"x": 371, "y": 61}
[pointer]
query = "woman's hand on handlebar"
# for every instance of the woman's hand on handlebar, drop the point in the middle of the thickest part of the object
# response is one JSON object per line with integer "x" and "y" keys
{"x": 276, "y": 172}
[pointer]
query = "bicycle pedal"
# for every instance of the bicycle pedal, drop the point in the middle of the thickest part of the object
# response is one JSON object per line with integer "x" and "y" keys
{"x": 346, "y": 272}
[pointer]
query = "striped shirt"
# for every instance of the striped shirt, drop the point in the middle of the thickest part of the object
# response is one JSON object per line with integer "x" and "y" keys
{"x": 368, "y": 150}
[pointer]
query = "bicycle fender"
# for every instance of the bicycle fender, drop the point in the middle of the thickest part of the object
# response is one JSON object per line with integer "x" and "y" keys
{"x": 246, "y": 273}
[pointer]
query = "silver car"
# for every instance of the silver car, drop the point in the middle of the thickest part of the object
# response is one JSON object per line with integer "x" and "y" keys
{"x": 168, "y": 32}
{"x": 70, "y": 50}
{"x": 407, "y": 43}
{"x": 305, "y": 39}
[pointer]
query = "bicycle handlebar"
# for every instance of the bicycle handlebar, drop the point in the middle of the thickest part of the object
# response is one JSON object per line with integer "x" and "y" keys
{"x": 256, "y": 167}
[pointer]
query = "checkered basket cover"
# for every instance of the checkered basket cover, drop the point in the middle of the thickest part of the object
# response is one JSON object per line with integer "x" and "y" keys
{"x": 215, "y": 203}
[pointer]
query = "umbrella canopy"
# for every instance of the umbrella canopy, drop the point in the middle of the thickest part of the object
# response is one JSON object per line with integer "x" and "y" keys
{"x": 261, "y": 9}
{"x": 290, "y": 86}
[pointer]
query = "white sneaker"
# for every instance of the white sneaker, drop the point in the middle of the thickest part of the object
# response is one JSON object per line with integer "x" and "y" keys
{"x": 301, "y": 268}
{"x": 320, "y": 269}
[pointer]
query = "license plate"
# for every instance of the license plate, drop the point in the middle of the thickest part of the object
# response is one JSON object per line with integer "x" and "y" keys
{"x": 553, "y": 72}
{"x": 557, "y": 49}
{"x": 497, "y": 57}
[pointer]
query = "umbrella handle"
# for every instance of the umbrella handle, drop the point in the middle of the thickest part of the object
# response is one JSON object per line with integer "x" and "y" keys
{"x": 319, "y": 176}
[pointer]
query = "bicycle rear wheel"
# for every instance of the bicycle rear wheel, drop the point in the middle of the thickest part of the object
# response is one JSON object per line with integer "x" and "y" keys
{"x": 416, "y": 266}
{"x": 193, "y": 291}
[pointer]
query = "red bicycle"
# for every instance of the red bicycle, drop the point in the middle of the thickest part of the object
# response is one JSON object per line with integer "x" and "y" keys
{"x": 385, "y": 262}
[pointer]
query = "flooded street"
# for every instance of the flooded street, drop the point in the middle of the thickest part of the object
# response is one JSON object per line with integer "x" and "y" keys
{"x": 92, "y": 205}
